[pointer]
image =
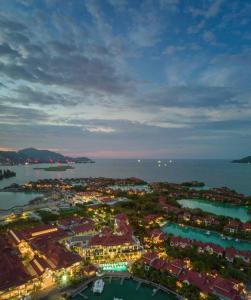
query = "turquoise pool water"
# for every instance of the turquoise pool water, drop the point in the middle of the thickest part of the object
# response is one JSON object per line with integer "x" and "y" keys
{"x": 200, "y": 235}
{"x": 116, "y": 267}
{"x": 228, "y": 210}
{"x": 126, "y": 291}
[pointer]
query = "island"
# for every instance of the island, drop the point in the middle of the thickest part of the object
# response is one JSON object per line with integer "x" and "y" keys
{"x": 7, "y": 174}
{"x": 60, "y": 168}
{"x": 244, "y": 160}
{"x": 193, "y": 184}
{"x": 35, "y": 156}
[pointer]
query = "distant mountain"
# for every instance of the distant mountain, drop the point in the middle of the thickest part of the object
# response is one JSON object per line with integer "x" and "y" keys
{"x": 35, "y": 156}
{"x": 244, "y": 160}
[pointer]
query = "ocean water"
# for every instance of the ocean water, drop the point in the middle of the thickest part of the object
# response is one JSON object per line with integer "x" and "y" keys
{"x": 215, "y": 173}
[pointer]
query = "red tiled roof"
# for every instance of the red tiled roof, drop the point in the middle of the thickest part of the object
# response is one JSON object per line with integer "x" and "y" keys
{"x": 230, "y": 253}
{"x": 150, "y": 218}
{"x": 148, "y": 257}
{"x": 121, "y": 217}
{"x": 83, "y": 228}
{"x": 70, "y": 221}
{"x": 225, "y": 288}
{"x": 12, "y": 272}
{"x": 157, "y": 233}
{"x": 110, "y": 240}
{"x": 197, "y": 279}
{"x": 247, "y": 226}
{"x": 89, "y": 269}
{"x": 159, "y": 264}
{"x": 175, "y": 266}
{"x": 56, "y": 255}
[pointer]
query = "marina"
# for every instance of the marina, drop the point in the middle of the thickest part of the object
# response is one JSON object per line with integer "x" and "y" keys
{"x": 126, "y": 289}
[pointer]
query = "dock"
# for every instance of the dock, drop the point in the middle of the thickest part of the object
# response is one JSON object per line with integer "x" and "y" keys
{"x": 122, "y": 280}
{"x": 138, "y": 285}
{"x": 155, "y": 291}
{"x": 82, "y": 295}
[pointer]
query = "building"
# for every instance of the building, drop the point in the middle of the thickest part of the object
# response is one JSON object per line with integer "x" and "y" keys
{"x": 110, "y": 246}
{"x": 15, "y": 280}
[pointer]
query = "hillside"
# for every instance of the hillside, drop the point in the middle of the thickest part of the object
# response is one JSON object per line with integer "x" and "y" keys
{"x": 35, "y": 156}
{"x": 244, "y": 160}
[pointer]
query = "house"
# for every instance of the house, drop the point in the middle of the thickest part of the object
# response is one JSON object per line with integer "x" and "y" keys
{"x": 211, "y": 221}
{"x": 233, "y": 226}
{"x": 157, "y": 236}
{"x": 246, "y": 227}
{"x": 225, "y": 289}
{"x": 200, "y": 280}
{"x": 244, "y": 255}
{"x": 230, "y": 254}
{"x": 175, "y": 267}
{"x": 180, "y": 242}
{"x": 149, "y": 257}
{"x": 159, "y": 264}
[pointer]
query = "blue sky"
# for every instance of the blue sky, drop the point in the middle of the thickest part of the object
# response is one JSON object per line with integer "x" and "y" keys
{"x": 131, "y": 79}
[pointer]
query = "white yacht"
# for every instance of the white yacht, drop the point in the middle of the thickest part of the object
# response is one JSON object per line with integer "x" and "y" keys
{"x": 98, "y": 286}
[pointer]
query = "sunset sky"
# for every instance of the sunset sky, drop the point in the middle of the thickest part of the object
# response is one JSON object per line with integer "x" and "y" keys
{"x": 126, "y": 79}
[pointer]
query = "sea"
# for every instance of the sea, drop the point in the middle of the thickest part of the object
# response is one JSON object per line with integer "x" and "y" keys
{"x": 215, "y": 173}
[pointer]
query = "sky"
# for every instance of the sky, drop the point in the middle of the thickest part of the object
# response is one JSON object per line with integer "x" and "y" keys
{"x": 126, "y": 79}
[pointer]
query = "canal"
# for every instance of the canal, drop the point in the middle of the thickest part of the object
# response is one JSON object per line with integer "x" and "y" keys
{"x": 217, "y": 208}
{"x": 202, "y": 236}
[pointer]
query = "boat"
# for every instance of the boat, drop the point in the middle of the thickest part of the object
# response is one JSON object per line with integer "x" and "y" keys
{"x": 229, "y": 238}
{"x": 98, "y": 286}
{"x": 117, "y": 298}
{"x": 139, "y": 160}
{"x": 237, "y": 240}
{"x": 208, "y": 232}
{"x": 223, "y": 237}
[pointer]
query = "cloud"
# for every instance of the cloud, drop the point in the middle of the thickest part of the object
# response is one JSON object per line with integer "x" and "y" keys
{"x": 146, "y": 28}
{"x": 11, "y": 25}
{"x": 118, "y": 4}
{"x": 93, "y": 75}
{"x": 28, "y": 95}
{"x": 20, "y": 115}
{"x": 211, "y": 11}
{"x": 99, "y": 129}
{"x": 5, "y": 49}
{"x": 174, "y": 49}
{"x": 208, "y": 36}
